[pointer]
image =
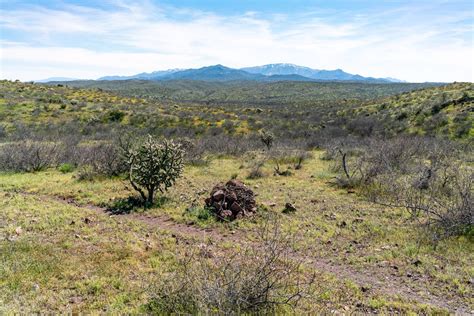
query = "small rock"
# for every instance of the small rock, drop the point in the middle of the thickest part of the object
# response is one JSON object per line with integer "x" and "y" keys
{"x": 289, "y": 208}
{"x": 75, "y": 300}
{"x": 218, "y": 195}
{"x": 148, "y": 245}
{"x": 226, "y": 214}
{"x": 235, "y": 208}
{"x": 36, "y": 287}
{"x": 18, "y": 230}
{"x": 332, "y": 216}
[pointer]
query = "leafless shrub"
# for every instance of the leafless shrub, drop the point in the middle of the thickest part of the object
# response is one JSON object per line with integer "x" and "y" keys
{"x": 280, "y": 172}
{"x": 392, "y": 156}
{"x": 439, "y": 198}
{"x": 86, "y": 173}
{"x": 300, "y": 157}
{"x": 28, "y": 155}
{"x": 103, "y": 159}
{"x": 224, "y": 144}
{"x": 292, "y": 158}
{"x": 348, "y": 164}
{"x": 425, "y": 176}
{"x": 256, "y": 170}
{"x": 195, "y": 153}
{"x": 262, "y": 278}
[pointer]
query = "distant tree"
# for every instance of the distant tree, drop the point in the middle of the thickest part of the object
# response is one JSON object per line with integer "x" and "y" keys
{"x": 154, "y": 166}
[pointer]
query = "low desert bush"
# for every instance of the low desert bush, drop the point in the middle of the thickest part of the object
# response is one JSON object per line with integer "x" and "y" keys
{"x": 28, "y": 156}
{"x": 66, "y": 167}
{"x": 429, "y": 177}
{"x": 103, "y": 159}
{"x": 195, "y": 153}
{"x": 439, "y": 198}
{"x": 426, "y": 176}
{"x": 261, "y": 278}
{"x": 256, "y": 171}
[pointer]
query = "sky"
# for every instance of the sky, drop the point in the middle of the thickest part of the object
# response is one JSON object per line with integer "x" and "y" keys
{"x": 415, "y": 41}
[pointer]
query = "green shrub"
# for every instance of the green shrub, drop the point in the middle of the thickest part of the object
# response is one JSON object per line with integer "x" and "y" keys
{"x": 115, "y": 116}
{"x": 201, "y": 213}
{"x": 86, "y": 173}
{"x": 66, "y": 168}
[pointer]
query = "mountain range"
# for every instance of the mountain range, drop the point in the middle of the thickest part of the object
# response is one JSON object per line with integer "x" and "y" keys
{"x": 270, "y": 72}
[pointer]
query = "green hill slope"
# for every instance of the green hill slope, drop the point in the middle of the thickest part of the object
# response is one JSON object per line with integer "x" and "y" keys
{"x": 446, "y": 110}
{"x": 292, "y": 110}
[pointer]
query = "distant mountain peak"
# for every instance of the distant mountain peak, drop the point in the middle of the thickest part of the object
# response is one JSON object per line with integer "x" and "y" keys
{"x": 269, "y": 72}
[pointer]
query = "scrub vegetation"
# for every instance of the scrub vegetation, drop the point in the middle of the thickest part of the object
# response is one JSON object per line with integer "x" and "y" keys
{"x": 338, "y": 197}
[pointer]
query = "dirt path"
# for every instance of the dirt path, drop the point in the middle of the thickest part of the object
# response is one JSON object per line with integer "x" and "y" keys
{"x": 375, "y": 281}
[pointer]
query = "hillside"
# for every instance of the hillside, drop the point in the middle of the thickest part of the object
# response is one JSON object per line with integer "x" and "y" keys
{"x": 290, "y": 109}
{"x": 445, "y": 110}
{"x": 288, "y": 92}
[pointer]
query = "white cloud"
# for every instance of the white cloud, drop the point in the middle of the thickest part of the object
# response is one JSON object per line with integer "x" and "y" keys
{"x": 89, "y": 43}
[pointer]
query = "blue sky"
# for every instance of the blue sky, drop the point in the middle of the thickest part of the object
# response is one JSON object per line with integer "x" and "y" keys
{"x": 410, "y": 40}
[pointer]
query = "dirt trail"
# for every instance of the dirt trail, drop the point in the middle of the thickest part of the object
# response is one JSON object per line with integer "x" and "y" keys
{"x": 376, "y": 281}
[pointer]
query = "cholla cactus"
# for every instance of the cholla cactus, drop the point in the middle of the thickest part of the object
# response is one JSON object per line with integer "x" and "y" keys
{"x": 267, "y": 139}
{"x": 155, "y": 166}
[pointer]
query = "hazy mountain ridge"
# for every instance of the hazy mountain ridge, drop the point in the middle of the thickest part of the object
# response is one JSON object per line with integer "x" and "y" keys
{"x": 270, "y": 72}
{"x": 51, "y": 79}
{"x": 143, "y": 75}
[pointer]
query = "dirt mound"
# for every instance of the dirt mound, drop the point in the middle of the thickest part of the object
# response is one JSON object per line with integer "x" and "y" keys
{"x": 232, "y": 200}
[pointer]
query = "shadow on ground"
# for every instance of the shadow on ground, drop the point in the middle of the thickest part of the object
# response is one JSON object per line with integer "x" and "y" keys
{"x": 132, "y": 204}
